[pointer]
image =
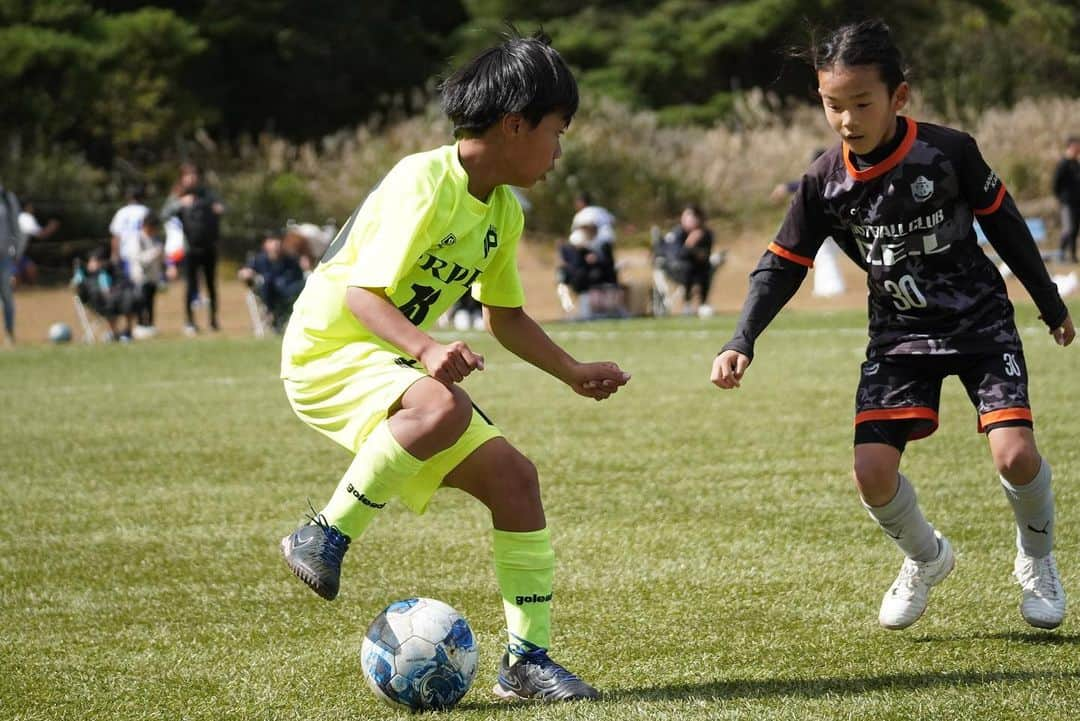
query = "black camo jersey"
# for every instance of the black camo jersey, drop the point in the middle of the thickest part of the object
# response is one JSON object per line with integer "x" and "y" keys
{"x": 907, "y": 221}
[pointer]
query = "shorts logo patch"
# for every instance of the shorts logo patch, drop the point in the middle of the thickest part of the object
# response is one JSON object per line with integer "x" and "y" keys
{"x": 922, "y": 189}
{"x": 871, "y": 369}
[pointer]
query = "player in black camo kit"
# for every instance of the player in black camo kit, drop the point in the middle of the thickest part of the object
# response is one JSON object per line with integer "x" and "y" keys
{"x": 900, "y": 197}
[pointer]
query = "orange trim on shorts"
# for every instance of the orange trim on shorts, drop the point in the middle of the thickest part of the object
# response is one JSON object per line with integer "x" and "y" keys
{"x": 888, "y": 163}
{"x": 1005, "y": 414}
{"x": 897, "y": 414}
{"x": 995, "y": 205}
{"x": 777, "y": 249}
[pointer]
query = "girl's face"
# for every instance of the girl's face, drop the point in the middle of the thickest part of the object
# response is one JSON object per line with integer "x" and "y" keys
{"x": 858, "y": 105}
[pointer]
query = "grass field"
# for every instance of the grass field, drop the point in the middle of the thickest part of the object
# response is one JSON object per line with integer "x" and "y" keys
{"x": 713, "y": 559}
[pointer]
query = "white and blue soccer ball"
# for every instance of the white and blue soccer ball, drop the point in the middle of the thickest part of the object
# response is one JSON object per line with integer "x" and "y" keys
{"x": 419, "y": 654}
{"x": 60, "y": 333}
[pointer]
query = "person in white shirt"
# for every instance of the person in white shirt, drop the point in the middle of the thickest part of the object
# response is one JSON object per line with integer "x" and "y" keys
{"x": 124, "y": 229}
{"x": 601, "y": 218}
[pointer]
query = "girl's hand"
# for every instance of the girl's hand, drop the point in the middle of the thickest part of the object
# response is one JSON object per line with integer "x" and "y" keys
{"x": 1064, "y": 334}
{"x": 597, "y": 380}
{"x": 728, "y": 369}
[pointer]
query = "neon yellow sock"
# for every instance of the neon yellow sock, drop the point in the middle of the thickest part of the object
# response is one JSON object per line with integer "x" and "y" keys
{"x": 524, "y": 567}
{"x": 375, "y": 475}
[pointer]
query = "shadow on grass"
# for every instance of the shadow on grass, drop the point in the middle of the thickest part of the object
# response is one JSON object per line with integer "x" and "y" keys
{"x": 810, "y": 688}
{"x": 1036, "y": 638}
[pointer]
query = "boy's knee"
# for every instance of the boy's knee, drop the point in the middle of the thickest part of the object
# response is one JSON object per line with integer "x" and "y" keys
{"x": 521, "y": 479}
{"x": 448, "y": 410}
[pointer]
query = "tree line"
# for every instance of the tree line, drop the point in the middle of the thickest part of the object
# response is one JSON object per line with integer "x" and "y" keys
{"x": 130, "y": 79}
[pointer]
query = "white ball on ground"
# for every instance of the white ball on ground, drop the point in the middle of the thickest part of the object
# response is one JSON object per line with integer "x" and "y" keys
{"x": 59, "y": 333}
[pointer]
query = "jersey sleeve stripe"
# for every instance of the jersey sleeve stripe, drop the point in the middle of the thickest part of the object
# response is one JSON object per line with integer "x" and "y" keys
{"x": 1006, "y": 414}
{"x": 888, "y": 163}
{"x": 776, "y": 249}
{"x": 995, "y": 205}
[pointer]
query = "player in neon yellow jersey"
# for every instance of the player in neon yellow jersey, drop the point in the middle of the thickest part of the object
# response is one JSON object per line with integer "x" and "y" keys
{"x": 359, "y": 366}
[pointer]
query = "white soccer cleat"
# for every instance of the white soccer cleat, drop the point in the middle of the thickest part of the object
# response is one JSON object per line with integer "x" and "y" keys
{"x": 906, "y": 599}
{"x": 1044, "y": 598}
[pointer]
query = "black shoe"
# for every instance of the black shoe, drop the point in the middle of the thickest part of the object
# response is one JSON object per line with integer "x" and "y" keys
{"x": 314, "y": 554}
{"x": 536, "y": 676}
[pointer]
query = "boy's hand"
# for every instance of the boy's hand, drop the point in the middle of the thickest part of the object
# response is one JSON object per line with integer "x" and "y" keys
{"x": 728, "y": 369}
{"x": 450, "y": 363}
{"x": 597, "y": 380}
{"x": 1065, "y": 333}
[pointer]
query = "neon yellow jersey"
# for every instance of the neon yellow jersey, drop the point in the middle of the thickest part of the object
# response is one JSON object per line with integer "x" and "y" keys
{"x": 422, "y": 238}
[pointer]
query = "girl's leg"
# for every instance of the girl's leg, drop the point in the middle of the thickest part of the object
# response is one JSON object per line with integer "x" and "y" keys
{"x": 1025, "y": 477}
{"x": 890, "y": 500}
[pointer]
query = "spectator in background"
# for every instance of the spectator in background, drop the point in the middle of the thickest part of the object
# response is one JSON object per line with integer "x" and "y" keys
{"x": 124, "y": 227}
{"x": 588, "y": 269}
{"x": 12, "y": 246}
{"x": 586, "y": 213}
{"x": 25, "y": 269}
{"x": 685, "y": 254}
{"x": 296, "y": 244}
{"x": 276, "y": 277}
{"x": 103, "y": 288}
{"x": 1067, "y": 191}
{"x": 145, "y": 269}
{"x": 199, "y": 210}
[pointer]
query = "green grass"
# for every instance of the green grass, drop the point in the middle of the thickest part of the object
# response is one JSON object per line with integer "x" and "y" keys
{"x": 713, "y": 559}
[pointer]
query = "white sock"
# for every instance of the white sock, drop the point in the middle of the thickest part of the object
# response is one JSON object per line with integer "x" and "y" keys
{"x": 903, "y": 522}
{"x": 1033, "y": 506}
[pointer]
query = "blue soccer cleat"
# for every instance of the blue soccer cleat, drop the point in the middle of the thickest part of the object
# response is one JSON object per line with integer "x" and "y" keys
{"x": 536, "y": 676}
{"x": 314, "y": 552}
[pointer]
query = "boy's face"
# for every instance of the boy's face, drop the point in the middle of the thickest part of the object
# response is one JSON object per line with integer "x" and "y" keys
{"x": 858, "y": 105}
{"x": 532, "y": 151}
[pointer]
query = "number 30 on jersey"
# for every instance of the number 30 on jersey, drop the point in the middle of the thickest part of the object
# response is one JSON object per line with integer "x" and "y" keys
{"x": 905, "y": 293}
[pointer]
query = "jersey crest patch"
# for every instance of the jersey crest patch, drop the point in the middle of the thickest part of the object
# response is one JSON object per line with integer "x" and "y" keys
{"x": 448, "y": 241}
{"x": 922, "y": 189}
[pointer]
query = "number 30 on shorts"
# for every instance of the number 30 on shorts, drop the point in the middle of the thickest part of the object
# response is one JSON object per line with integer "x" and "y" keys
{"x": 1012, "y": 367}
{"x": 905, "y": 293}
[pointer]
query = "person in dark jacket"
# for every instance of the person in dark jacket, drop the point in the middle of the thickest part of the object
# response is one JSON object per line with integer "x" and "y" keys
{"x": 199, "y": 210}
{"x": 1067, "y": 191}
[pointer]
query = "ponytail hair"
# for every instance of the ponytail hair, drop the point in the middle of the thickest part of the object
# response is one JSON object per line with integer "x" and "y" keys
{"x": 868, "y": 42}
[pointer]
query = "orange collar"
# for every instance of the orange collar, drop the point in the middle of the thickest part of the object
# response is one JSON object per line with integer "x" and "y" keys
{"x": 888, "y": 163}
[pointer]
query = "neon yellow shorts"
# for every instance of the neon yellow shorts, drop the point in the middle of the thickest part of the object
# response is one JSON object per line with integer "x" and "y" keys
{"x": 346, "y": 394}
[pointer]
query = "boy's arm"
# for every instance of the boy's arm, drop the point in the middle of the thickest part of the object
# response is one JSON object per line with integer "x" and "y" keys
{"x": 446, "y": 363}
{"x": 524, "y": 337}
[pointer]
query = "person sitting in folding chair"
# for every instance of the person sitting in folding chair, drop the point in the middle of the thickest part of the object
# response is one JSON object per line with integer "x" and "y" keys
{"x": 684, "y": 263}
{"x": 106, "y": 292}
{"x": 587, "y": 272}
{"x": 275, "y": 279}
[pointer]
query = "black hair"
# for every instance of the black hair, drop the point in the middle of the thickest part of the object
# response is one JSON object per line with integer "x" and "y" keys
{"x": 136, "y": 191}
{"x": 1068, "y": 141}
{"x": 151, "y": 219}
{"x": 521, "y": 75}
{"x": 585, "y": 197}
{"x": 697, "y": 210}
{"x": 868, "y": 42}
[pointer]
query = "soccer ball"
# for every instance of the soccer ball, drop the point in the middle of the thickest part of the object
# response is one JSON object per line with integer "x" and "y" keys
{"x": 59, "y": 332}
{"x": 419, "y": 654}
